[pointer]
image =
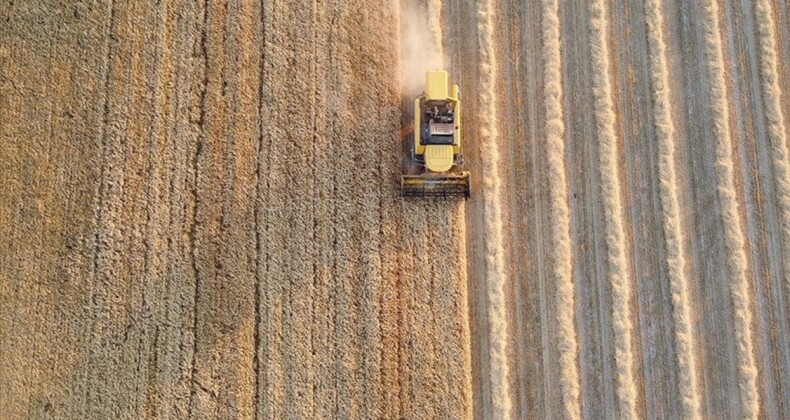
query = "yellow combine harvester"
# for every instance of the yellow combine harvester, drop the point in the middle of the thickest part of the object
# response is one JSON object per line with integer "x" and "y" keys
{"x": 436, "y": 150}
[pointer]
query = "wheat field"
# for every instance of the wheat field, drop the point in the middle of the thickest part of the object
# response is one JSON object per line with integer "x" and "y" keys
{"x": 199, "y": 210}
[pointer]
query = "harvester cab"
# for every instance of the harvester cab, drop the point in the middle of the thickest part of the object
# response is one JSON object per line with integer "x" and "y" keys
{"x": 435, "y": 167}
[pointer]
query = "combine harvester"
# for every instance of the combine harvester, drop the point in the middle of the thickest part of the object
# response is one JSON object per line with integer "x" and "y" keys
{"x": 435, "y": 167}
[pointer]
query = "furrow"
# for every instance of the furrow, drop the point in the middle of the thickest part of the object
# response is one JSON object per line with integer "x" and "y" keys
{"x": 673, "y": 231}
{"x": 617, "y": 263}
{"x": 733, "y": 233}
{"x": 560, "y": 252}
{"x": 494, "y": 247}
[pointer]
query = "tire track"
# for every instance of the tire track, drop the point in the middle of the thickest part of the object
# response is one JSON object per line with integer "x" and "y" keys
{"x": 617, "y": 260}
{"x": 208, "y": 232}
{"x": 183, "y": 134}
{"x": 241, "y": 88}
{"x": 106, "y": 204}
{"x": 223, "y": 380}
{"x": 494, "y": 249}
{"x": 274, "y": 232}
{"x": 263, "y": 153}
{"x": 324, "y": 395}
{"x": 676, "y": 259}
{"x": 561, "y": 258}
{"x": 115, "y": 358}
{"x": 733, "y": 234}
{"x": 348, "y": 347}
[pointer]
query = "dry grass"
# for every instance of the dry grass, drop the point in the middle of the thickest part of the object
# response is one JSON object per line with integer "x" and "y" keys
{"x": 777, "y": 132}
{"x": 733, "y": 231}
{"x": 617, "y": 262}
{"x": 561, "y": 258}
{"x": 495, "y": 265}
{"x": 673, "y": 231}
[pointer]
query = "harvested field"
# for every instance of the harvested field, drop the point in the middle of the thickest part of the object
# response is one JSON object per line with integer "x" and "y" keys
{"x": 199, "y": 210}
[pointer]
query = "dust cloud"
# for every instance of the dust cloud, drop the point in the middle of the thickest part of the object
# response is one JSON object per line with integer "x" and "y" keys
{"x": 421, "y": 46}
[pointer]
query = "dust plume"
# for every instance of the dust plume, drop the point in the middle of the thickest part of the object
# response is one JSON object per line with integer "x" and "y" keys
{"x": 421, "y": 45}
